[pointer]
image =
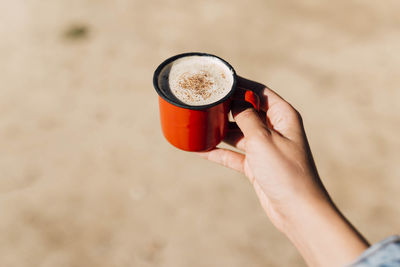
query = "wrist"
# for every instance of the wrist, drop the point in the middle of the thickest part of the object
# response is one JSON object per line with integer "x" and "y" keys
{"x": 304, "y": 210}
{"x": 290, "y": 212}
{"x": 322, "y": 235}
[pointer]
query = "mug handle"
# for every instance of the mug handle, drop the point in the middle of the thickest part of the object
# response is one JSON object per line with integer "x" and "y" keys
{"x": 248, "y": 95}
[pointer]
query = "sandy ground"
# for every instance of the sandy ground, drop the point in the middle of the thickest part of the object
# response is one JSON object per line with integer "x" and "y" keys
{"x": 86, "y": 178}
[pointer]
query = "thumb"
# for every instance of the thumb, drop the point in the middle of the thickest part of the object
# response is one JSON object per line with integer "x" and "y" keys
{"x": 249, "y": 121}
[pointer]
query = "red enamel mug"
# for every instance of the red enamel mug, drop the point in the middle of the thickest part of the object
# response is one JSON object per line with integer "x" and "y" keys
{"x": 198, "y": 128}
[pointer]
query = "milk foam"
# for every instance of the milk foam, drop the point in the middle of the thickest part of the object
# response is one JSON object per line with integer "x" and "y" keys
{"x": 197, "y": 80}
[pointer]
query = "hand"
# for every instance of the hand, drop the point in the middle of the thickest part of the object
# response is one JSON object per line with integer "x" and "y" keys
{"x": 277, "y": 157}
{"x": 278, "y": 162}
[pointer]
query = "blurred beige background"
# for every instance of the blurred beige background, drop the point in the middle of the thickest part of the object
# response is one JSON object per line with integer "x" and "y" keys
{"x": 86, "y": 178}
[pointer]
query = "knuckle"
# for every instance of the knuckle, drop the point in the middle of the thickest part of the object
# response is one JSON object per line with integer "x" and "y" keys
{"x": 258, "y": 135}
{"x": 294, "y": 113}
{"x": 225, "y": 159}
{"x": 299, "y": 117}
{"x": 247, "y": 113}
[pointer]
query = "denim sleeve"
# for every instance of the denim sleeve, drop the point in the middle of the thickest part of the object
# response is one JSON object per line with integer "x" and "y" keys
{"x": 383, "y": 254}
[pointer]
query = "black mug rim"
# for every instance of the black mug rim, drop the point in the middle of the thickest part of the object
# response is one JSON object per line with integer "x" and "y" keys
{"x": 183, "y": 105}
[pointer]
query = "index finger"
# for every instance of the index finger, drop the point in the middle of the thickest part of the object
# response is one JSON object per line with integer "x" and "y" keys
{"x": 281, "y": 116}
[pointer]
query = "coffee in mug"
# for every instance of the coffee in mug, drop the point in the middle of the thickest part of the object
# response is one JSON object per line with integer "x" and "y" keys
{"x": 196, "y": 80}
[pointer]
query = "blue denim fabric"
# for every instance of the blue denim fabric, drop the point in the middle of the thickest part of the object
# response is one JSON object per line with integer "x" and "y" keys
{"x": 383, "y": 254}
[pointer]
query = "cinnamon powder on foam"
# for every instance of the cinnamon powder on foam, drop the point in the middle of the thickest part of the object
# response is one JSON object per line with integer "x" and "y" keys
{"x": 198, "y": 83}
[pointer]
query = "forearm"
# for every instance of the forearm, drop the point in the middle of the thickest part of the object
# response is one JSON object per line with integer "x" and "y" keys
{"x": 323, "y": 236}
